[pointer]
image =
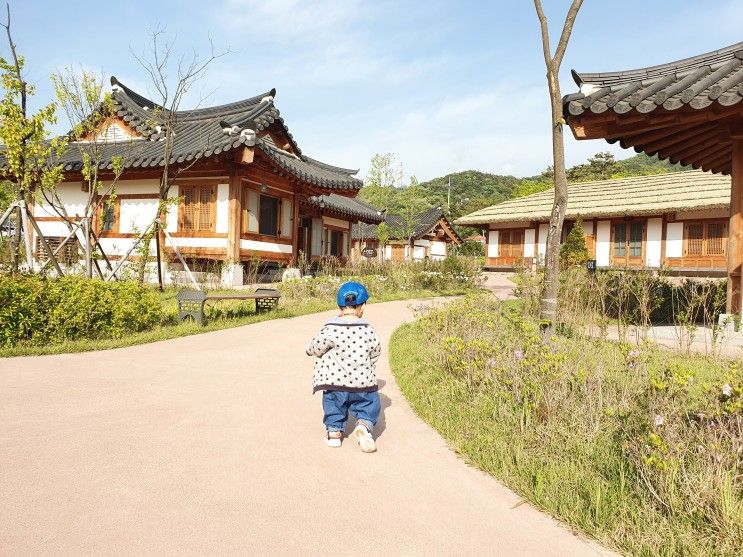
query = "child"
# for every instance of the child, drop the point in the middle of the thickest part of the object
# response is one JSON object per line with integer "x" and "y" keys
{"x": 347, "y": 349}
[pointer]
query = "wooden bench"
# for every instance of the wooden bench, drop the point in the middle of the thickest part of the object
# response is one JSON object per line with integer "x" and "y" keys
{"x": 191, "y": 302}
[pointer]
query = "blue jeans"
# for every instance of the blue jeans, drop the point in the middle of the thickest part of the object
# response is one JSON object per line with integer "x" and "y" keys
{"x": 337, "y": 404}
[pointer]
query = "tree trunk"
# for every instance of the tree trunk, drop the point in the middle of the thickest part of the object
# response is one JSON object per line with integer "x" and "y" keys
{"x": 15, "y": 243}
{"x": 548, "y": 305}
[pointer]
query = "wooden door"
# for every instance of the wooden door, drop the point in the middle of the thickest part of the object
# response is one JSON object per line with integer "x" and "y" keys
{"x": 628, "y": 244}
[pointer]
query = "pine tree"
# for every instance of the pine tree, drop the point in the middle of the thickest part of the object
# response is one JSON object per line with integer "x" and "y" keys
{"x": 574, "y": 251}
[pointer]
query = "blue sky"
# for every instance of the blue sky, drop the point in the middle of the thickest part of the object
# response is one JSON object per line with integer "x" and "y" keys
{"x": 446, "y": 86}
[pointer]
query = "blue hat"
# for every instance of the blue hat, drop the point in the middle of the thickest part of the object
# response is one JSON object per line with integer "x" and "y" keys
{"x": 352, "y": 294}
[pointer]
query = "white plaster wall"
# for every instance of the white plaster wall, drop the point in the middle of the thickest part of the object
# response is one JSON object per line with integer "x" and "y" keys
{"x": 119, "y": 246}
{"x": 388, "y": 252}
{"x": 336, "y": 222}
{"x": 407, "y": 252}
{"x": 603, "y": 243}
{"x": 529, "y": 238}
{"x": 438, "y": 249}
{"x": 316, "y": 236}
{"x": 136, "y": 214}
{"x": 171, "y": 215}
{"x": 675, "y": 239}
{"x": 272, "y": 247}
{"x": 53, "y": 229}
{"x": 423, "y": 243}
{"x": 653, "y": 244}
{"x": 222, "y": 226}
{"x": 419, "y": 252}
{"x": 493, "y": 243}
{"x": 72, "y": 197}
{"x": 587, "y": 228}
{"x": 542, "y": 241}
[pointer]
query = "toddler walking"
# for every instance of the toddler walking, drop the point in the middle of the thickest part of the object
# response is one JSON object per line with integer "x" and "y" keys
{"x": 347, "y": 349}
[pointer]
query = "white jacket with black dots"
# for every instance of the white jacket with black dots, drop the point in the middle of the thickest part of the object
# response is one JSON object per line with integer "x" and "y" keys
{"x": 347, "y": 352}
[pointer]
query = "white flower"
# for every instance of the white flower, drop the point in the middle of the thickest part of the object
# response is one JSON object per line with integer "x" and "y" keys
{"x": 658, "y": 421}
{"x": 727, "y": 390}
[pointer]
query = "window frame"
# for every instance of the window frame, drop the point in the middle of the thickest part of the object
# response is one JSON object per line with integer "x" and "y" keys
{"x": 705, "y": 239}
{"x": 626, "y": 258}
{"x": 212, "y": 207}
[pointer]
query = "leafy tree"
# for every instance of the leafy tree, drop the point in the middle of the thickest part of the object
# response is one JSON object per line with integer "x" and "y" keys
{"x": 529, "y": 186}
{"x": 601, "y": 166}
{"x": 30, "y": 157}
{"x": 383, "y": 234}
{"x": 87, "y": 107}
{"x": 574, "y": 251}
{"x": 385, "y": 176}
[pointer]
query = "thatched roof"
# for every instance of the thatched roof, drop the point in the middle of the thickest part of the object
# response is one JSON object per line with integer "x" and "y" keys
{"x": 640, "y": 195}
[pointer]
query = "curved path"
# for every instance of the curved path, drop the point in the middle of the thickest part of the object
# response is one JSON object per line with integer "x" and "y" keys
{"x": 213, "y": 444}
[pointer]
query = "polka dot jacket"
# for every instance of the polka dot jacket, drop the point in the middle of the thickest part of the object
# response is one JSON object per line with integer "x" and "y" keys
{"x": 347, "y": 352}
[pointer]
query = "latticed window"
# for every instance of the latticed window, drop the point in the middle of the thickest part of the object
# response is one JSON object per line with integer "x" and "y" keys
{"x": 198, "y": 210}
{"x": 620, "y": 239}
{"x": 108, "y": 218}
{"x": 505, "y": 243}
{"x": 706, "y": 238}
{"x": 635, "y": 239}
{"x": 67, "y": 256}
{"x": 716, "y": 238}
{"x": 695, "y": 239}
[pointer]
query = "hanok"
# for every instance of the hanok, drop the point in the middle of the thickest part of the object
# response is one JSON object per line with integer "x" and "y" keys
{"x": 688, "y": 111}
{"x": 426, "y": 235}
{"x": 244, "y": 190}
{"x": 676, "y": 221}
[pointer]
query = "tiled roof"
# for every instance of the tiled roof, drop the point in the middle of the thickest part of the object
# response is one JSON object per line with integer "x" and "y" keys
{"x": 696, "y": 82}
{"x": 422, "y": 224}
{"x": 206, "y": 132}
{"x": 642, "y": 195}
{"x": 346, "y": 206}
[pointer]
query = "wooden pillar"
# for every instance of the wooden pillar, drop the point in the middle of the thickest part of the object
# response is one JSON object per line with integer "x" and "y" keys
{"x": 234, "y": 219}
{"x": 295, "y": 231}
{"x": 735, "y": 241}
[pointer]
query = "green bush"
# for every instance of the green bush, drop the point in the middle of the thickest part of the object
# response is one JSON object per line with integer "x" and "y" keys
{"x": 40, "y": 310}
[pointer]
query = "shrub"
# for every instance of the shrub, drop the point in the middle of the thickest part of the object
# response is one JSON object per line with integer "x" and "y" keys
{"x": 38, "y": 309}
{"x": 574, "y": 251}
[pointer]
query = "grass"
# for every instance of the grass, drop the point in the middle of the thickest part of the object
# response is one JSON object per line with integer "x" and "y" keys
{"x": 223, "y": 315}
{"x": 634, "y": 447}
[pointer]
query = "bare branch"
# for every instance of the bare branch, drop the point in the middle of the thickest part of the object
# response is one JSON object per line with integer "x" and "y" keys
{"x": 566, "y": 31}
{"x": 545, "y": 33}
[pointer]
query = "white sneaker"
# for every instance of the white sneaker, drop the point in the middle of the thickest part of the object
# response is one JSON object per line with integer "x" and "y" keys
{"x": 365, "y": 439}
{"x": 333, "y": 439}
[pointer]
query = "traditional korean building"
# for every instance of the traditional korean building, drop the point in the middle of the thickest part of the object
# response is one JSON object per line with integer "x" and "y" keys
{"x": 427, "y": 235}
{"x": 689, "y": 111}
{"x": 246, "y": 190}
{"x": 676, "y": 221}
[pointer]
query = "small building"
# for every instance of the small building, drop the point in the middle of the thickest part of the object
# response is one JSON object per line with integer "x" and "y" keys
{"x": 427, "y": 235}
{"x": 676, "y": 221}
{"x": 243, "y": 190}
{"x": 687, "y": 111}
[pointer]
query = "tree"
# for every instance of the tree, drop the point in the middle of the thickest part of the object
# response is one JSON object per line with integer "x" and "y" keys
{"x": 385, "y": 176}
{"x": 30, "y": 158}
{"x": 409, "y": 203}
{"x": 159, "y": 66}
{"x": 574, "y": 251}
{"x": 601, "y": 166}
{"x": 548, "y": 305}
{"x": 87, "y": 107}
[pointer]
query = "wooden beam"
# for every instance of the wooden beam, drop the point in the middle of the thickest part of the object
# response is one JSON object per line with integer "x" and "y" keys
{"x": 698, "y": 152}
{"x": 660, "y": 140}
{"x": 234, "y": 217}
{"x": 735, "y": 228}
{"x": 245, "y": 155}
{"x": 672, "y": 149}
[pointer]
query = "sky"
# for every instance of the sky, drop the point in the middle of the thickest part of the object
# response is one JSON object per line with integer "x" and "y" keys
{"x": 445, "y": 86}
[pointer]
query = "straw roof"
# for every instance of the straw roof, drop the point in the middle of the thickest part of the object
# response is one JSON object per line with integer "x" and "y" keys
{"x": 640, "y": 195}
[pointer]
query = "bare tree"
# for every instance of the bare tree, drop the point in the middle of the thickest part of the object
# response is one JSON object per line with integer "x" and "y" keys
{"x": 158, "y": 64}
{"x": 548, "y": 305}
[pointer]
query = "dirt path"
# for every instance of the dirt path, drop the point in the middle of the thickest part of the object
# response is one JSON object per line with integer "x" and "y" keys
{"x": 213, "y": 444}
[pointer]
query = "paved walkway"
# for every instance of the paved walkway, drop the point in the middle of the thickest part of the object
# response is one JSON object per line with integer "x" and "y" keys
{"x": 213, "y": 444}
